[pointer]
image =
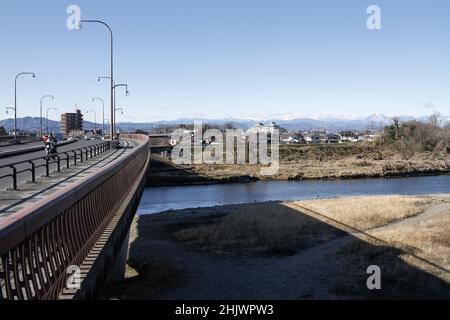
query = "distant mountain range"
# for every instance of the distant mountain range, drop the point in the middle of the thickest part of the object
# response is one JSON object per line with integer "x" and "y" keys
{"x": 33, "y": 124}
{"x": 376, "y": 121}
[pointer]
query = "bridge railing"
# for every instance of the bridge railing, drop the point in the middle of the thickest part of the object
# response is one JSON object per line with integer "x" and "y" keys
{"x": 11, "y": 140}
{"x": 61, "y": 160}
{"x": 40, "y": 244}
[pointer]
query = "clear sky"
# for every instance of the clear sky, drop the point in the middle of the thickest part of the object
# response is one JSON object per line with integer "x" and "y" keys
{"x": 230, "y": 58}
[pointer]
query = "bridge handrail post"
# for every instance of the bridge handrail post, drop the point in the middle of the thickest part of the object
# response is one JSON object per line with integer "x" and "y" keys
{"x": 47, "y": 167}
{"x": 67, "y": 160}
{"x": 58, "y": 163}
{"x": 14, "y": 177}
{"x": 33, "y": 171}
{"x": 74, "y": 157}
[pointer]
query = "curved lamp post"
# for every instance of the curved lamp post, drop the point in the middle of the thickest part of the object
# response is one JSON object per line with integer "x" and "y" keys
{"x": 95, "y": 120}
{"x": 112, "y": 64}
{"x": 114, "y": 97}
{"x": 121, "y": 109}
{"x": 47, "y": 117}
{"x": 42, "y": 100}
{"x": 113, "y": 103}
{"x": 103, "y": 117}
{"x": 127, "y": 93}
{"x": 15, "y": 98}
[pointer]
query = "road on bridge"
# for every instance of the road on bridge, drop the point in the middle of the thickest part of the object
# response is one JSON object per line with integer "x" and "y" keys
{"x": 16, "y": 147}
{"x": 24, "y": 177}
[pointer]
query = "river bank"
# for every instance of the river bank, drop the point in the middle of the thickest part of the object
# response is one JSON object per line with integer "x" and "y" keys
{"x": 292, "y": 250}
{"x": 304, "y": 163}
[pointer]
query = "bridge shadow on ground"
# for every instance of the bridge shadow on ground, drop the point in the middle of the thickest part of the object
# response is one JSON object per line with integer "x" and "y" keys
{"x": 264, "y": 251}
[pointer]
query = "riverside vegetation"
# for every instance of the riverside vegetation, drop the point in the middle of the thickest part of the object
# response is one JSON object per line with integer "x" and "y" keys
{"x": 407, "y": 149}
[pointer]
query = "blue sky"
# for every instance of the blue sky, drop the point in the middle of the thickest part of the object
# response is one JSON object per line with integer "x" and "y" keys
{"x": 230, "y": 58}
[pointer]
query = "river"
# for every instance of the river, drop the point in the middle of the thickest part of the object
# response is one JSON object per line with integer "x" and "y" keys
{"x": 159, "y": 199}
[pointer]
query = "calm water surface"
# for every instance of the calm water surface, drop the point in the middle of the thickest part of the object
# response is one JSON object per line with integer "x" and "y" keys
{"x": 161, "y": 199}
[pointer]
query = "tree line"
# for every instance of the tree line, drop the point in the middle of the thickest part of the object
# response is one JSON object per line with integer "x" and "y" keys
{"x": 413, "y": 137}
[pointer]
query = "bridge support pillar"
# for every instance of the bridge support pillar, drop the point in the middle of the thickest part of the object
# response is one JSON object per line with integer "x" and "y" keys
{"x": 118, "y": 272}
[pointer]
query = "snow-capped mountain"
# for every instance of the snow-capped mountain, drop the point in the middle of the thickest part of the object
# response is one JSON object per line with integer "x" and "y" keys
{"x": 325, "y": 122}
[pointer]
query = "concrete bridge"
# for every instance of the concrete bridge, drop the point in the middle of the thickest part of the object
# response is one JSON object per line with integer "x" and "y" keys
{"x": 64, "y": 223}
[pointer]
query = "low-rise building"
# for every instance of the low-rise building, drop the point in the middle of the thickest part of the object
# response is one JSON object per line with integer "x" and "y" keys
{"x": 331, "y": 138}
{"x": 292, "y": 138}
{"x": 313, "y": 138}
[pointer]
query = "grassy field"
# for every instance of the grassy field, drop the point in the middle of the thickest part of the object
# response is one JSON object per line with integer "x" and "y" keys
{"x": 271, "y": 228}
{"x": 267, "y": 229}
{"x": 369, "y": 212}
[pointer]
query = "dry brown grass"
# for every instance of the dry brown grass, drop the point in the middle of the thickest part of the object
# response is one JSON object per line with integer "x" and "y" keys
{"x": 414, "y": 259}
{"x": 369, "y": 212}
{"x": 429, "y": 239}
{"x": 269, "y": 228}
{"x": 276, "y": 228}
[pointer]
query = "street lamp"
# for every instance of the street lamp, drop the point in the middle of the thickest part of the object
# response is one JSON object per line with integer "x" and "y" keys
{"x": 121, "y": 112}
{"x": 127, "y": 93}
{"x": 15, "y": 99}
{"x": 42, "y": 100}
{"x": 95, "y": 120}
{"x": 10, "y": 108}
{"x": 112, "y": 65}
{"x": 106, "y": 121}
{"x": 47, "y": 117}
{"x": 103, "y": 117}
{"x": 99, "y": 79}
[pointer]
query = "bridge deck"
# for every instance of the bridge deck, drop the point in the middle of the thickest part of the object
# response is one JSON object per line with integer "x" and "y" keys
{"x": 28, "y": 193}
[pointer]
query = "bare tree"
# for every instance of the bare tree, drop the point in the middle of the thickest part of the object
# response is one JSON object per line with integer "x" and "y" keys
{"x": 396, "y": 121}
{"x": 435, "y": 119}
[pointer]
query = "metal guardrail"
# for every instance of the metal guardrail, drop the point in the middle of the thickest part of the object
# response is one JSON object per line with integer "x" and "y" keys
{"x": 10, "y": 140}
{"x": 39, "y": 244}
{"x": 68, "y": 157}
